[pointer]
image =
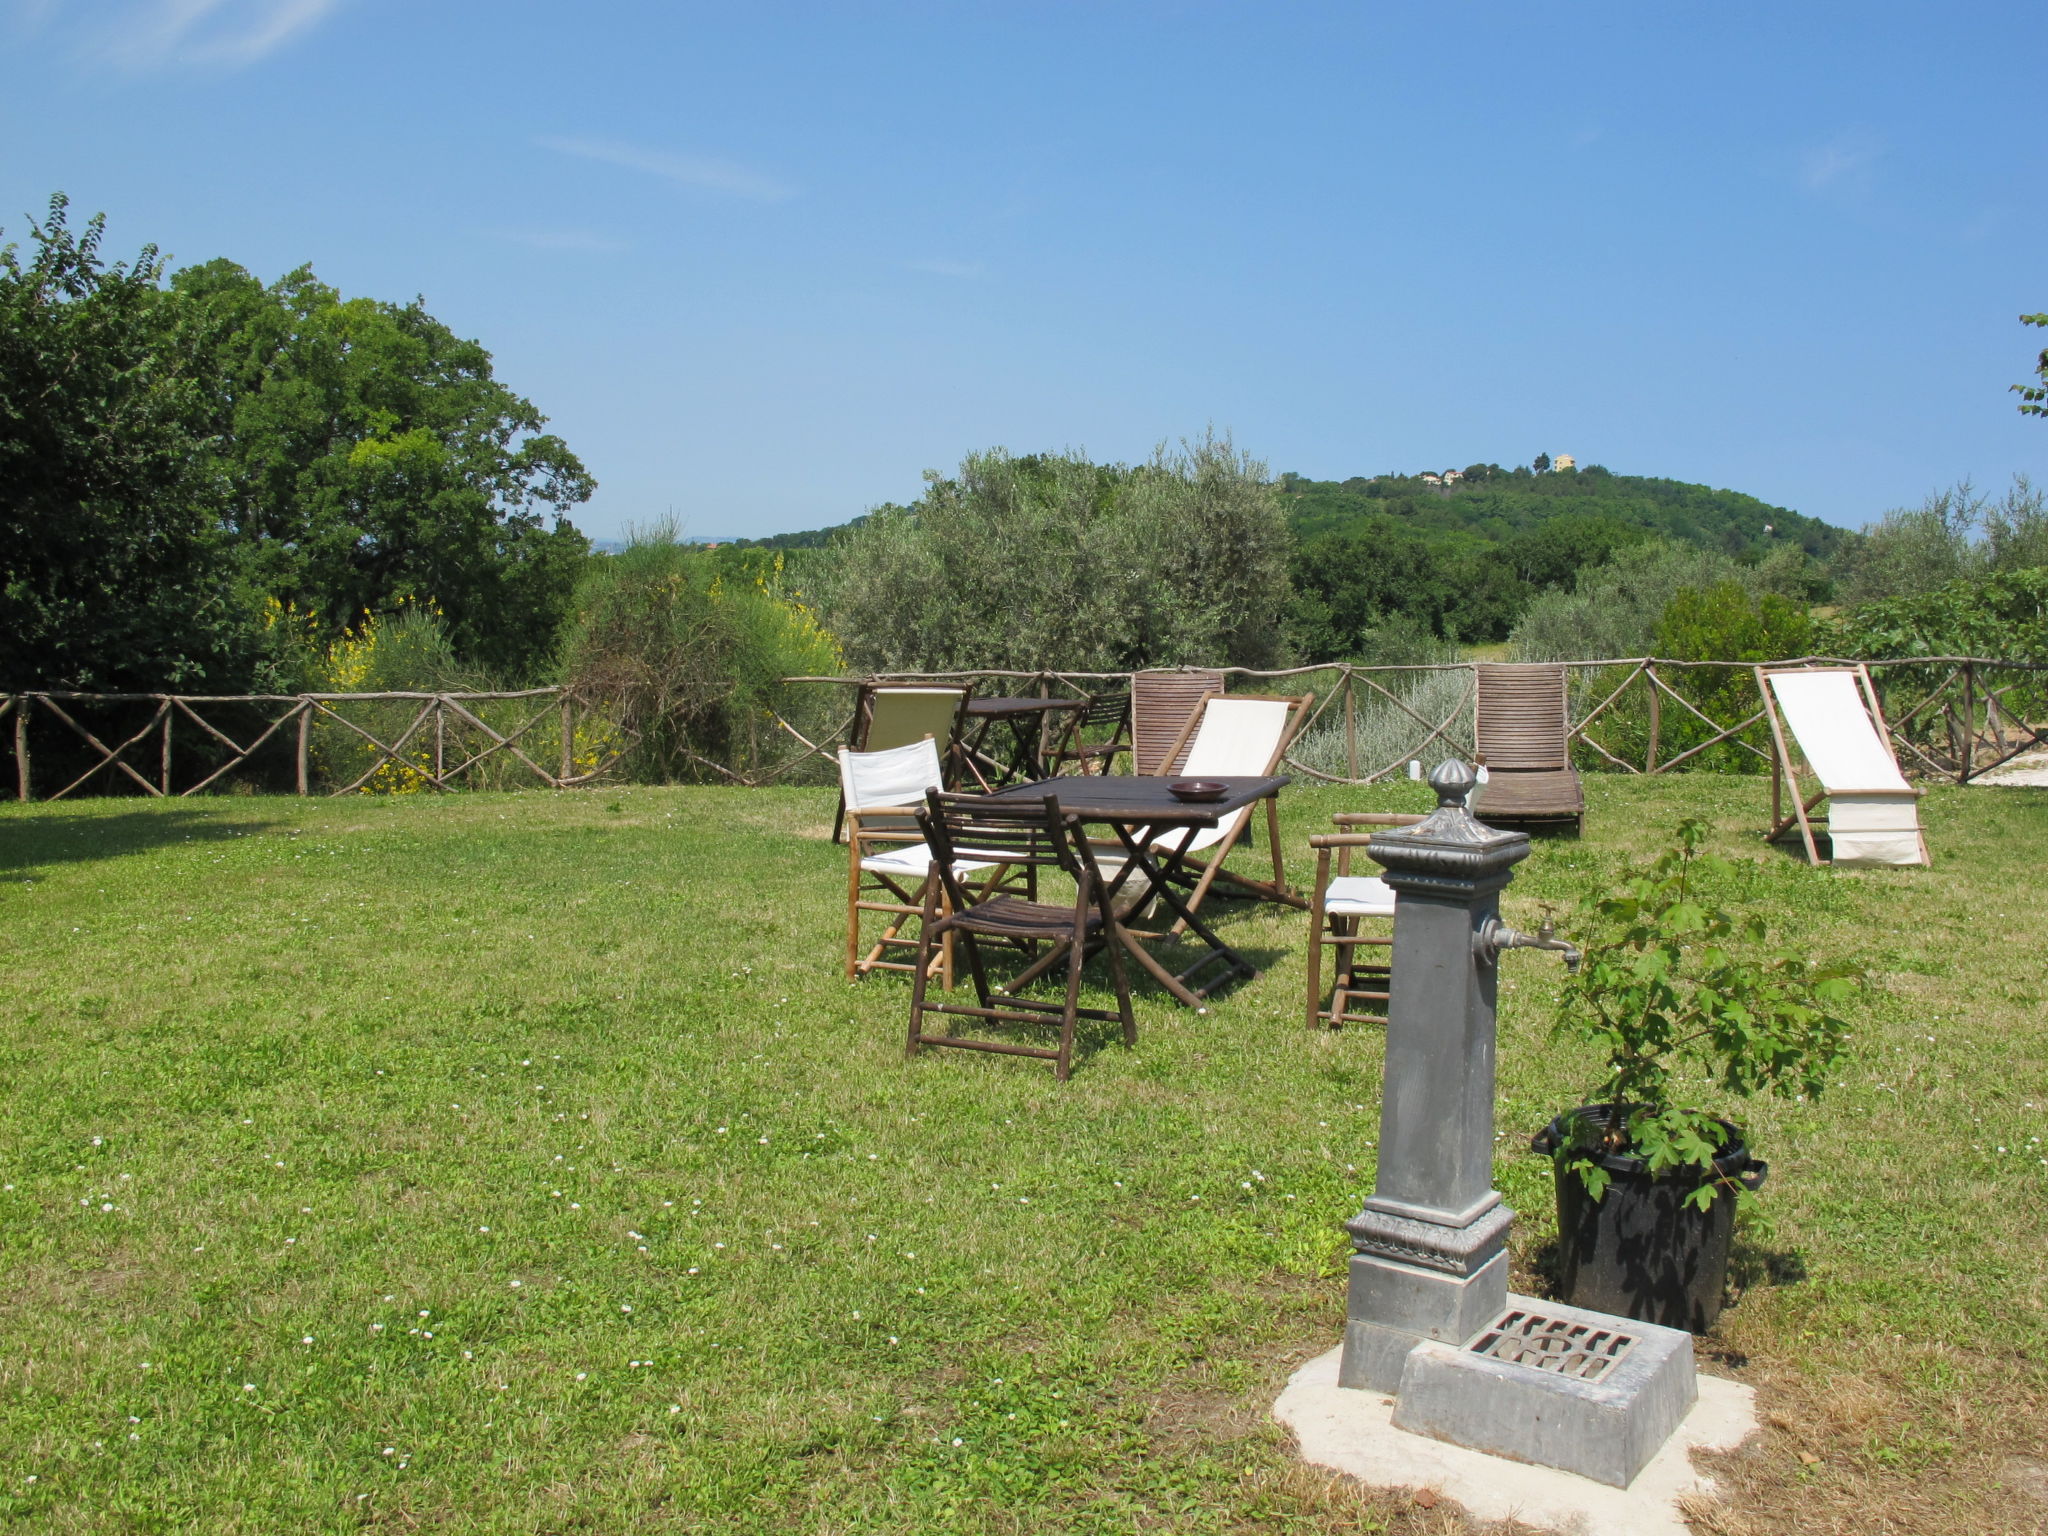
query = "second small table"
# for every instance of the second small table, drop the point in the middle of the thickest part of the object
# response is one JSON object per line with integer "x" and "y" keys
{"x": 1142, "y": 811}
{"x": 1025, "y": 719}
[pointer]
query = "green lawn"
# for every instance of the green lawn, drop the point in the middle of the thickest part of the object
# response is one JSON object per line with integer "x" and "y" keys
{"x": 523, "y": 1163}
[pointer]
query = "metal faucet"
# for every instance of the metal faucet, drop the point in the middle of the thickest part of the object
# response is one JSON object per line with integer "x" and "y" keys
{"x": 1494, "y": 936}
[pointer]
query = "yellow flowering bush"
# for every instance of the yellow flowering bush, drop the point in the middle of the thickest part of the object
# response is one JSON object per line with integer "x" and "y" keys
{"x": 687, "y": 649}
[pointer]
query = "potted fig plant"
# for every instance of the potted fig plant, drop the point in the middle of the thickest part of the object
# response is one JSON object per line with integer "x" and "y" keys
{"x": 1683, "y": 999}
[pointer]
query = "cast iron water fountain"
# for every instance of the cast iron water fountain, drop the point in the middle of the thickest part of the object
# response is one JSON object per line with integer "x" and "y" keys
{"x": 1430, "y": 1318}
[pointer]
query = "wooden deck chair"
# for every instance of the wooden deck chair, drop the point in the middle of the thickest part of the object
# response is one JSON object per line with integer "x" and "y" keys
{"x": 1028, "y": 835}
{"x": 1339, "y": 904}
{"x": 1832, "y": 714}
{"x": 1093, "y": 737}
{"x": 1162, "y": 705}
{"x": 887, "y": 715}
{"x": 1523, "y": 740}
{"x": 1233, "y": 738}
{"x": 889, "y": 867}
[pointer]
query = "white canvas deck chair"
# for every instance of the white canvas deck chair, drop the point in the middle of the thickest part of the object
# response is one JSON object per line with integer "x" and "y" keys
{"x": 1233, "y": 738}
{"x": 1832, "y": 714}
{"x": 889, "y": 865}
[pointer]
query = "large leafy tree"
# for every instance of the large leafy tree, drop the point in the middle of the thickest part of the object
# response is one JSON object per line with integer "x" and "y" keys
{"x": 112, "y": 576}
{"x": 368, "y": 458}
{"x": 2034, "y": 397}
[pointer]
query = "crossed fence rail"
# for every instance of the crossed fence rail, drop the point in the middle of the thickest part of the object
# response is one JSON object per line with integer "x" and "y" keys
{"x": 442, "y": 740}
{"x": 1949, "y": 717}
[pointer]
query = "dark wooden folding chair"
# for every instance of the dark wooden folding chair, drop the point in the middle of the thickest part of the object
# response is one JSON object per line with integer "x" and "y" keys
{"x": 1093, "y": 737}
{"x": 1342, "y": 901}
{"x": 1029, "y": 835}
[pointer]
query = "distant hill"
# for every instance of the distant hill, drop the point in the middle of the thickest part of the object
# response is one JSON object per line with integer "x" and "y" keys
{"x": 812, "y": 538}
{"x": 1459, "y": 554}
{"x": 1387, "y": 565}
{"x": 1494, "y": 504}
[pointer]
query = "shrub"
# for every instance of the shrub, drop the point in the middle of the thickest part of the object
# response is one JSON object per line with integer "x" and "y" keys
{"x": 409, "y": 651}
{"x": 688, "y": 652}
{"x": 1680, "y": 995}
{"x": 1614, "y": 609}
{"x": 1724, "y": 623}
{"x": 1955, "y": 533}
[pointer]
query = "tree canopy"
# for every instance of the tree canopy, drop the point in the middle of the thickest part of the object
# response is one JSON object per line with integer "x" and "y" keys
{"x": 1054, "y": 561}
{"x": 2034, "y": 396}
{"x": 176, "y": 458}
{"x": 367, "y": 456}
{"x": 113, "y": 574}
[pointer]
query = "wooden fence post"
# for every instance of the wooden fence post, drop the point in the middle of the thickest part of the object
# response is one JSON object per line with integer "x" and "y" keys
{"x": 1350, "y": 726}
{"x": 1656, "y": 717}
{"x": 1968, "y": 764}
{"x": 568, "y": 741}
{"x": 164, "y": 768}
{"x": 21, "y": 747}
{"x": 305, "y": 745}
{"x": 440, "y": 741}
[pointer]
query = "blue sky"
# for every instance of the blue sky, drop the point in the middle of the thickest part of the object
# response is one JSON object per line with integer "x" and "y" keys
{"x": 763, "y": 265}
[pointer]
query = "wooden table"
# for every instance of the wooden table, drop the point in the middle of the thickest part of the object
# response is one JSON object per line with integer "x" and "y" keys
{"x": 1026, "y": 721}
{"x": 1141, "y": 812}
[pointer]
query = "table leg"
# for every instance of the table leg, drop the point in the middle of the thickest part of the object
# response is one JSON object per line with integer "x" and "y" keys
{"x": 1162, "y": 888}
{"x": 1158, "y": 887}
{"x": 973, "y": 755}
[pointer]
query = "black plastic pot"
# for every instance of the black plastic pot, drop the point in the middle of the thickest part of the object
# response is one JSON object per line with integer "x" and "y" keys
{"x": 1641, "y": 1250}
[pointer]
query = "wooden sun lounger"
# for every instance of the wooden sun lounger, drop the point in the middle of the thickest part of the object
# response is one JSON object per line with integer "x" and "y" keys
{"x": 1524, "y": 742}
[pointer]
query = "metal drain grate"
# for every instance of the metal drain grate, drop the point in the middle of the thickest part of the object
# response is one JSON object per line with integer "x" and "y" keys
{"x": 1553, "y": 1344}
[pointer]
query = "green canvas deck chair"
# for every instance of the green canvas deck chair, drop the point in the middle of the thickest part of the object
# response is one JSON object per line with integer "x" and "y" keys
{"x": 892, "y": 715}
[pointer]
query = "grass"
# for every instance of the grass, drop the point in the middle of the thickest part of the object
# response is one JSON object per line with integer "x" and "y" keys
{"x": 354, "y": 1153}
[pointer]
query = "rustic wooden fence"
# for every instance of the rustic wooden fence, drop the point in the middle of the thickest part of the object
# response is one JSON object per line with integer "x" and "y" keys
{"x": 1949, "y": 717}
{"x": 344, "y": 742}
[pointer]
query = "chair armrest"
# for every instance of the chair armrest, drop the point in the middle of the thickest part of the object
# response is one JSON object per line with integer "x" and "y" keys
{"x": 903, "y": 827}
{"x": 1340, "y": 840}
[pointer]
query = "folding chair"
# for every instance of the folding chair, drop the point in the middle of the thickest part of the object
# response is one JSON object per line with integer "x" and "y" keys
{"x": 1832, "y": 715}
{"x": 1335, "y": 910}
{"x": 887, "y": 715}
{"x": 1094, "y": 735}
{"x": 1033, "y": 835}
{"x": 889, "y": 867}
{"x": 1235, "y": 738}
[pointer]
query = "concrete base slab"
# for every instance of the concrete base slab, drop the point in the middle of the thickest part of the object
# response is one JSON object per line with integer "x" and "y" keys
{"x": 1353, "y": 1432}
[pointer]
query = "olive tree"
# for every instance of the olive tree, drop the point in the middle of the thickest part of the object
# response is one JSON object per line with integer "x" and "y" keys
{"x": 1053, "y": 561}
